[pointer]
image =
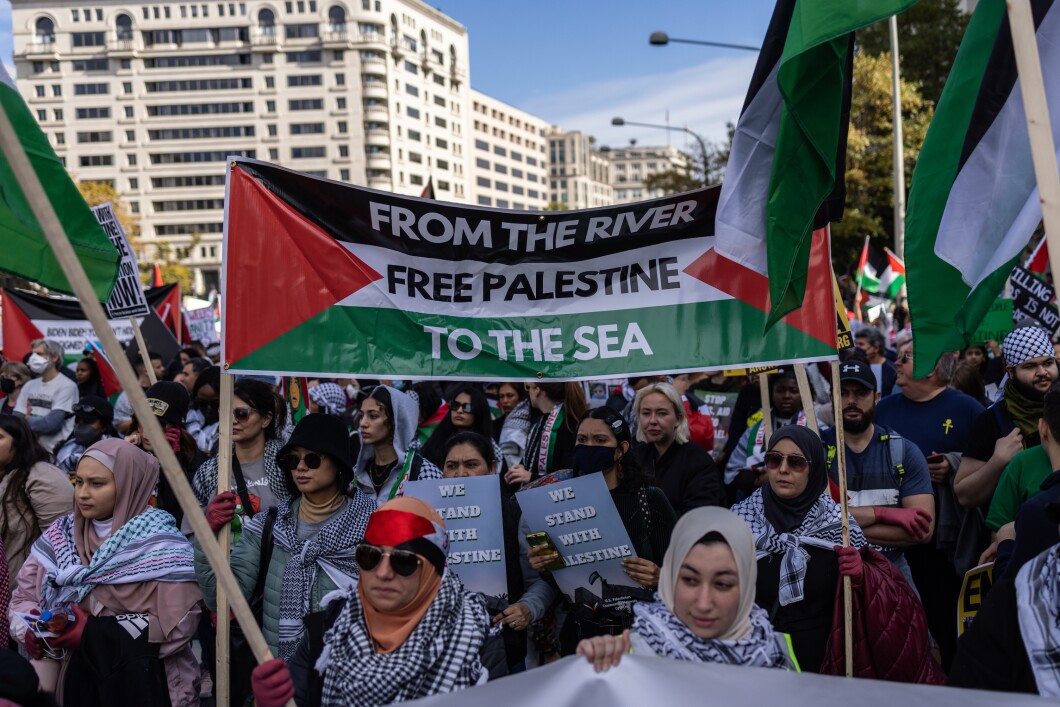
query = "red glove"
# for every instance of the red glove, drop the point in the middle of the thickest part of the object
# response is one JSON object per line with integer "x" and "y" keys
{"x": 850, "y": 565}
{"x": 71, "y": 637}
{"x": 221, "y": 511}
{"x": 915, "y": 521}
{"x": 173, "y": 435}
{"x": 271, "y": 683}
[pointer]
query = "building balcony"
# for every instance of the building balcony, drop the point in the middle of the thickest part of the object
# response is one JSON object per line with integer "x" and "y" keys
{"x": 374, "y": 66}
{"x": 380, "y": 138}
{"x": 380, "y": 183}
{"x": 375, "y": 89}
{"x": 265, "y": 42}
{"x": 378, "y": 160}
{"x": 373, "y": 40}
{"x": 337, "y": 39}
{"x": 42, "y": 48}
{"x": 380, "y": 113}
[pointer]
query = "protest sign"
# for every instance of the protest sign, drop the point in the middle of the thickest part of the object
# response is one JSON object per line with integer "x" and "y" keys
{"x": 719, "y": 406}
{"x": 977, "y": 582}
{"x": 390, "y": 286}
{"x": 127, "y": 299}
{"x": 201, "y": 325}
{"x": 471, "y": 509}
{"x": 1032, "y": 297}
{"x": 996, "y": 324}
{"x": 582, "y": 522}
{"x": 597, "y": 392}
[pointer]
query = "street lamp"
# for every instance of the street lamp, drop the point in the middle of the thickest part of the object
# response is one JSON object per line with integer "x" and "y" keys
{"x": 699, "y": 139}
{"x": 660, "y": 39}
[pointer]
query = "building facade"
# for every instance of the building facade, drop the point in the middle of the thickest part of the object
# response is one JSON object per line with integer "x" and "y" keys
{"x": 630, "y": 166}
{"x": 579, "y": 174}
{"x": 509, "y": 157}
{"x": 151, "y": 97}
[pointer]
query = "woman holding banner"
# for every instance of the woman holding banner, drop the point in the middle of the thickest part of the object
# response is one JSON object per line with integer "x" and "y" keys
{"x": 550, "y": 445}
{"x": 705, "y": 609}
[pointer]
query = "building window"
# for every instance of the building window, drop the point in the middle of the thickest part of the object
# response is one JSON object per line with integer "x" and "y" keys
{"x": 123, "y": 27}
{"x": 42, "y": 115}
{"x": 416, "y": 179}
{"x": 412, "y": 112}
{"x": 336, "y": 19}
{"x": 414, "y": 135}
{"x": 92, "y": 113}
{"x": 86, "y": 39}
{"x": 40, "y": 91}
{"x": 340, "y": 79}
{"x": 342, "y": 127}
{"x": 483, "y": 182}
{"x": 299, "y": 153}
{"x": 307, "y": 128}
{"x": 304, "y": 80}
{"x": 266, "y": 22}
{"x": 274, "y": 154}
{"x": 96, "y": 136}
{"x": 411, "y": 90}
{"x": 270, "y": 106}
{"x": 485, "y": 201}
{"x": 306, "y": 104}
{"x": 128, "y": 111}
{"x": 340, "y": 103}
{"x": 132, "y": 160}
{"x": 126, "y": 87}
{"x": 96, "y": 161}
{"x": 45, "y": 31}
{"x": 344, "y": 150}
{"x": 482, "y": 145}
{"x": 60, "y": 138}
{"x": 270, "y": 82}
{"x": 134, "y": 183}
{"x": 344, "y": 175}
{"x": 272, "y": 130}
{"x": 302, "y": 31}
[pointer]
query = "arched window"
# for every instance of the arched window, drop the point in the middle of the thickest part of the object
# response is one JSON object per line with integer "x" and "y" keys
{"x": 337, "y": 19}
{"x": 266, "y": 21}
{"x": 123, "y": 25}
{"x": 423, "y": 42}
{"x": 45, "y": 31}
{"x": 393, "y": 30}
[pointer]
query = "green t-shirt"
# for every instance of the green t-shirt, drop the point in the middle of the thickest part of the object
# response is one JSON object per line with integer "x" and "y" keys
{"x": 1021, "y": 479}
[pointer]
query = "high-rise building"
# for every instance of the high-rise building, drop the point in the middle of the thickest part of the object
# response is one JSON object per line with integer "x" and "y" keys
{"x": 630, "y": 166}
{"x": 152, "y": 96}
{"x": 579, "y": 174}
{"x": 509, "y": 159}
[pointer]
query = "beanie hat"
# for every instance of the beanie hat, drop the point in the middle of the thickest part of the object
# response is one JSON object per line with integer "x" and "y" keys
{"x": 408, "y": 523}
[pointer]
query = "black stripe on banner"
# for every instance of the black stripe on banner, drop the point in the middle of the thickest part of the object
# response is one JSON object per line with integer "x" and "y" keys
{"x": 418, "y": 227}
{"x": 999, "y": 78}
{"x": 40, "y": 307}
{"x": 772, "y": 49}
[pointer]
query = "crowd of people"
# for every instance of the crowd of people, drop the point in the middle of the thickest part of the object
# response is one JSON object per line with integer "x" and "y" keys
{"x": 740, "y": 549}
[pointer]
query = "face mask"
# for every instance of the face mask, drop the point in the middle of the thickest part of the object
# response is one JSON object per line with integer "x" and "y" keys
{"x": 7, "y": 386}
{"x": 399, "y": 385}
{"x": 591, "y": 459}
{"x": 37, "y": 363}
{"x": 85, "y": 435}
{"x": 211, "y": 412}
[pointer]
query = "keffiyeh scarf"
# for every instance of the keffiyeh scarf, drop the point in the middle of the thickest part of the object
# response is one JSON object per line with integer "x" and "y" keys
{"x": 441, "y": 654}
{"x": 147, "y": 548}
{"x": 822, "y": 527}
{"x": 669, "y": 637}
{"x": 329, "y": 397}
{"x": 332, "y": 549}
{"x": 1038, "y": 602}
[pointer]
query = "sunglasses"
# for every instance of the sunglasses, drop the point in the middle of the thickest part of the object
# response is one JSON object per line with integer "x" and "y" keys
{"x": 403, "y": 562}
{"x": 243, "y": 414}
{"x": 312, "y": 461}
{"x": 796, "y": 462}
{"x": 905, "y": 357}
{"x": 461, "y": 407}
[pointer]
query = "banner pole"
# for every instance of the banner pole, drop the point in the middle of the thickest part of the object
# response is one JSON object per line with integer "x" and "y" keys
{"x": 1043, "y": 150}
{"x": 222, "y": 681}
{"x": 767, "y": 409}
{"x": 82, "y": 289}
{"x": 841, "y": 459}
{"x": 144, "y": 355}
{"x": 807, "y": 397}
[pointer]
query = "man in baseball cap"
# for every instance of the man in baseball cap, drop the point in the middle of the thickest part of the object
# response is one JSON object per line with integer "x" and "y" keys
{"x": 888, "y": 482}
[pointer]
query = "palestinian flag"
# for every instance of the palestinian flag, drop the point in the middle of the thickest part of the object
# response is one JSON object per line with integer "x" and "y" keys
{"x": 785, "y": 176}
{"x": 887, "y": 283}
{"x": 1038, "y": 263}
{"x": 26, "y": 252}
{"x": 866, "y": 275}
{"x": 165, "y": 300}
{"x": 328, "y": 279}
{"x": 296, "y": 393}
{"x": 426, "y": 429}
{"x": 111, "y": 386}
{"x": 973, "y": 204}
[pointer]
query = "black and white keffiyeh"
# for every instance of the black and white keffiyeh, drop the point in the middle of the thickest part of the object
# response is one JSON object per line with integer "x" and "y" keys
{"x": 441, "y": 654}
{"x": 333, "y": 550}
{"x": 1026, "y": 343}
{"x": 330, "y": 397}
{"x": 669, "y": 637}
{"x": 1038, "y": 602}
{"x": 822, "y": 527}
{"x": 204, "y": 482}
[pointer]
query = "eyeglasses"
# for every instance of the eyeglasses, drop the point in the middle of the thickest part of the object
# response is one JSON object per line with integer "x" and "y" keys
{"x": 243, "y": 414}
{"x": 312, "y": 461}
{"x": 905, "y": 357}
{"x": 462, "y": 407}
{"x": 403, "y": 562}
{"x": 796, "y": 462}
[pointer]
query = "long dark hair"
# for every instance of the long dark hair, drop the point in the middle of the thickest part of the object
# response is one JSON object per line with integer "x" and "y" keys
{"x": 27, "y": 453}
{"x": 434, "y": 449}
{"x": 572, "y": 395}
{"x": 483, "y": 445}
{"x": 631, "y": 475}
{"x": 260, "y": 396}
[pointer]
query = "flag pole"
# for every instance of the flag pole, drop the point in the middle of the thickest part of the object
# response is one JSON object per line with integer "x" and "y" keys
{"x": 767, "y": 408}
{"x": 1043, "y": 150}
{"x": 45, "y": 214}
{"x": 841, "y": 467}
{"x": 899, "y": 144}
{"x": 144, "y": 355}
{"x": 807, "y": 397}
{"x": 222, "y": 681}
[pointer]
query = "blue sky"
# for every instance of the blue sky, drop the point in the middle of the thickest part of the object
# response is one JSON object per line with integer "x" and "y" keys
{"x": 579, "y": 63}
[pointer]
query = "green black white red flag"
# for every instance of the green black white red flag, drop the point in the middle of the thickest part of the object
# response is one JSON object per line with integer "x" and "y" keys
{"x": 973, "y": 204}
{"x": 323, "y": 278}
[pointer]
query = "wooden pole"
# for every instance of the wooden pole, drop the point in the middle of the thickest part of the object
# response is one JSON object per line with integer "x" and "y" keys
{"x": 222, "y": 684}
{"x": 807, "y": 397}
{"x": 64, "y": 253}
{"x": 1043, "y": 151}
{"x": 144, "y": 355}
{"x": 899, "y": 143}
{"x": 767, "y": 409}
{"x": 841, "y": 459}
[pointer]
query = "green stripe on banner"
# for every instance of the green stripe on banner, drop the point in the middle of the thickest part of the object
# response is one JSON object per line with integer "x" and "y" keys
{"x": 389, "y": 343}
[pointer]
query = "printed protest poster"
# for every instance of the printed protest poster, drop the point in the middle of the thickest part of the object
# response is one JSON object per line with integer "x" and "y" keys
{"x": 471, "y": 509}
{"x": 1032, "y": 297}
{"x": 976, "y": 585}
{"x": 719, "y": 406}
{"x": 597, "y": 392}
{"x": 127, "y": 299}
{"x": 201, "y": 325}
{"x": 996, "y": 324}
{"x": 581, "y": 520}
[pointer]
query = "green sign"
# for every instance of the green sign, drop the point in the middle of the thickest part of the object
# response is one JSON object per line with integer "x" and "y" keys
{"x": 996, "y": 324}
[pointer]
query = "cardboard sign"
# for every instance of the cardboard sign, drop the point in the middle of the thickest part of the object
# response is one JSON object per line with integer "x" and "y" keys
{"x": 127, "y": 298}
{"x": 997, "y": 323}
{"x": 1033, "y": 298}
{"x": 471, "y": 509}
{"x": 977, "y": 582}
{"x": 201, "y": 325}
{"x": 580, "y": 518}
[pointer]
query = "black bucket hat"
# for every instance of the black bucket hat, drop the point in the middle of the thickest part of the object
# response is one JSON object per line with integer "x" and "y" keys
{"x": 323, "y": 434}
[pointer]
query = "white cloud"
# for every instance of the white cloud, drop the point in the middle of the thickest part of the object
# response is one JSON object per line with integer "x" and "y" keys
{"x": 702, "y": 97}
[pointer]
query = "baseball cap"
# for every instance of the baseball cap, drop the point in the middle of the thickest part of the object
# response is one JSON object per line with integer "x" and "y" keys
{"x": 169, "y": 401}
{"x": 93, "y": 407}
{"x": 858, "y": 372}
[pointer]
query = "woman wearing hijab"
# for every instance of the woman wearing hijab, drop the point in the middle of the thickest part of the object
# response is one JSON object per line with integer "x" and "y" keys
{"x": 705, "y": 610}
{"x": 127, "y": 575}
{"x": 798, "y": 533}
{"x": 407, "y": 629}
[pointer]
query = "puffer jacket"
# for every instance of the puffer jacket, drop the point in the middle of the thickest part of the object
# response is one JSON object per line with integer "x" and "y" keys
{"x": 889, "y": 626}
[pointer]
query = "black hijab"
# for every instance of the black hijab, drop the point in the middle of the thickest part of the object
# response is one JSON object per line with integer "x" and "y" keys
{"x": 786, "y": 514}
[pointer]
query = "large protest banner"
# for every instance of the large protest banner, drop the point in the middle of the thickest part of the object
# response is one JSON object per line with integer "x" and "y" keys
{"x": 359, "y": 282}
{"x": 127, "y": 298}
{"x": 471, "y": 509}
{"x": 1033, "y": 297}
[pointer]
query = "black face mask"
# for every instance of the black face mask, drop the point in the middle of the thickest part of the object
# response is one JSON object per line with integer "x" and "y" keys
{"x": 7, "y": 386}
{"x": 211, "y": 412}
{"x": 86, "y": 435}
{"x": 591, "y": 459}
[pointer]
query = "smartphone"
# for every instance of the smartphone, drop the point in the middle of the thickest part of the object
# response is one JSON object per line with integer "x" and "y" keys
{"x": 542, "y": 539}
{"x": 935, "y": 458}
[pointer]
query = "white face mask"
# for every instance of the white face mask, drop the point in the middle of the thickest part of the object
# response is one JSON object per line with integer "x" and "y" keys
{"x": 37, "y": 363}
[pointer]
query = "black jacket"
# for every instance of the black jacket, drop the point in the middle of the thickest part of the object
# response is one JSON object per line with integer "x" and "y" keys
{"x": 991, "y": 654}
{"x": 686, "y": 473}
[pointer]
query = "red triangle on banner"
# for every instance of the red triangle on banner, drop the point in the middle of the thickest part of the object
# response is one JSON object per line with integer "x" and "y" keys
{"x": 282, "y": 269}
{"x": 19, "y": 331}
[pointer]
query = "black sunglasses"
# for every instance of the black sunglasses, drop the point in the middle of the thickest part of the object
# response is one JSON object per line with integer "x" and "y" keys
{"x": 312, "y": 461}
{"x": 243, "y": 414}
{"x": 403, "y": 562}
{"x": 796, "y": 462}
{"x": 462, "y": 407}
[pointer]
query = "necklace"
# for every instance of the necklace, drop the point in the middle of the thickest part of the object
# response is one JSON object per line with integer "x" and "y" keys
{"x": 380, "y": 474}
